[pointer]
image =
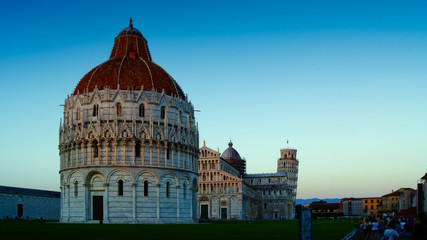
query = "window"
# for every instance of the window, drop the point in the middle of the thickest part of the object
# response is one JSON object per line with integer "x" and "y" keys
{"x": 141, "y": 110}
{"x": 76, "y": 189}
{"x": 167, "y": 153}
{"x": 120, "y": 187}
{"x": 185, "y": 190}
{"x": 146, "y": 188}
{"x": 78, "y": 114}
{"x": 167, "y": 189}
{"x": 119, "y": 109}
{"x": 95, "y": 149}
{"x": 269, "y": 180}
{"x": 265, "y": 205}
{"x": 372, "y": 201}
{"x": 162, "y": 112}
{"x": 95, "y": 110}
{"x": 138, "y": 149}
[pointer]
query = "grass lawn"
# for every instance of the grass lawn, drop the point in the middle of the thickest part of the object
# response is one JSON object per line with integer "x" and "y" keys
{"x": 264, "y": 230}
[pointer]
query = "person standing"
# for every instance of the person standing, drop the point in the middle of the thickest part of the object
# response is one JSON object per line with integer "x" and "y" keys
{"x": 390, "y": 233}
{"x": 406, "y": 233}
{"x": 374, "y": 230}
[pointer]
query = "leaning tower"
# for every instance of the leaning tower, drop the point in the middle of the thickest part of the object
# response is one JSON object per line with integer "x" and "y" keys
{"x": 288, "y": 164}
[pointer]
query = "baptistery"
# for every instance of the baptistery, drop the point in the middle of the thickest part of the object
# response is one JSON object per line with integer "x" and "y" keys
{"x": 128, "y": 142}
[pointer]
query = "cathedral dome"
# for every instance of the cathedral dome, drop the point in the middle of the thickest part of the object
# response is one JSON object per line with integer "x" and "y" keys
{"x": 231, "y": 156}
{"x": 230, "y": 153}
{"x": 129, "y": 67}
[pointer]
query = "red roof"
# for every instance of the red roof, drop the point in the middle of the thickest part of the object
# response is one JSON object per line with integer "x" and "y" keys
{"x": 393, "y": 194}
{"x": 129, "y": 67}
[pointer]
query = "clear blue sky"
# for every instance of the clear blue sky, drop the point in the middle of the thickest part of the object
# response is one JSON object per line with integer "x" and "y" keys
{"x": 344, "y": 81}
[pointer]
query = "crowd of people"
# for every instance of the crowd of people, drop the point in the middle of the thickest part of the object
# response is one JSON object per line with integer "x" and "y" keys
{"x": 386, "y": 228}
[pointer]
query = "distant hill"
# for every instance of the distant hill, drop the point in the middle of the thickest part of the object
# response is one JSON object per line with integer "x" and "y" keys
{"x": 328, "y": 200}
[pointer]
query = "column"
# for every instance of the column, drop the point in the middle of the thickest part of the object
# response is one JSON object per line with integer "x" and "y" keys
{"x": 172, "y": 154}
{"x": 142, "y": 150}
{"x": 134, "y": 201}
{"x": 179, "y": 156}
{"x": 158, "y": 202}
{"x": 134, "y": 158}
{"x": 86, "y": 199}
{"x": 125, "y": 151}
{"x": 151, "y": 154}
{"x": 90, "y": 153}
{"x": 177, "y": 203}
{"x": 68, "y": 202}
{"x": 106, "y": 197}
{"x": 158, "y": 154}
{"x": 84, "y": 154}
{"x": 116, "y": 154}
{"x": 99, "y": 153}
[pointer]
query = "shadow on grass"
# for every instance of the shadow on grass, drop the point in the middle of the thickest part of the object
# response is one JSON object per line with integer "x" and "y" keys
{"x": 245, "y": 230}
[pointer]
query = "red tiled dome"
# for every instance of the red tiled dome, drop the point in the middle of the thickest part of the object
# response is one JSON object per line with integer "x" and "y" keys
{"x": 129, "y": 67}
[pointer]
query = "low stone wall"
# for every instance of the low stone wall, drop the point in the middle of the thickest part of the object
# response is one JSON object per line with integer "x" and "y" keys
{"x": 351, "y": 236}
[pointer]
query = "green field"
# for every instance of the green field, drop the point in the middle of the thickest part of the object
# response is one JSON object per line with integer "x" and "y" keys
{"x": 266, "y": 230}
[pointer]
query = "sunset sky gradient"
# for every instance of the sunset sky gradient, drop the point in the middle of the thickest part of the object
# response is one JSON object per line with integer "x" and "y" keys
{"x": 344, "y": 81}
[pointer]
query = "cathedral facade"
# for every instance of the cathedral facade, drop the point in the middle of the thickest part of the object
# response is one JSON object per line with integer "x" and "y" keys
{"x": 227, "y": 192}
{"x": 128, "y": 142}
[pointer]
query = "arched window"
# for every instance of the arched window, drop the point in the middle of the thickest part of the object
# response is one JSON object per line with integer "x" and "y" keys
{"x": 146, "y": 188}
{"x": 95, "y": 149}
{"x": 185, "y": 190}
{"x": 163, "y": 112}
{"x": 76, "y": 189}
{"x": 78, "y": 114}
{"x": 141, "y": 110}
{"x": 119, "y": 109}
{"x": 167, "y": 189}
{"x": 120, "y": 187}
{"x": 95, "y": 110}
{"x": 138, "y": 149}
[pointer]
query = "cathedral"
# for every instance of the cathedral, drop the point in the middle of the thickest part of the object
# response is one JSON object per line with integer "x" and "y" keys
{"x": 128, "y": 142}
{"x": 226, "y": 191}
